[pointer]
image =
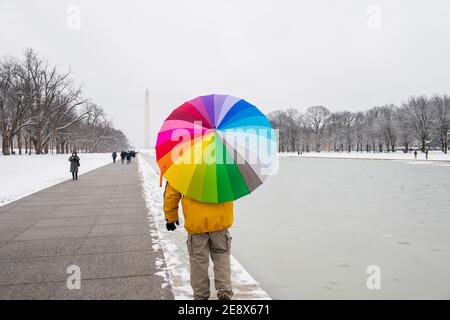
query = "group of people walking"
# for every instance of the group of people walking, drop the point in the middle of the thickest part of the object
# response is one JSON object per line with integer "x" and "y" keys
{"x": 426, "y": 154}
{"x": 124, "y": 155}
{"x": 75, "y": 160}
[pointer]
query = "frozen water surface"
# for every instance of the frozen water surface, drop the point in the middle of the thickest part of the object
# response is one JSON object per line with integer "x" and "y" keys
{"x": 312, "y": 230}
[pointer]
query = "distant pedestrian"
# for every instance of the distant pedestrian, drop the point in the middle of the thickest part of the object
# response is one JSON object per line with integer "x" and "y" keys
{"x": 123, "y": 155}
{"x": 74, "y": 164}
{"x": 415, "y": 154}
{"x": 114, "y": 156}
{"x": 426, "y": 154}
{"x": 128, "y": 157}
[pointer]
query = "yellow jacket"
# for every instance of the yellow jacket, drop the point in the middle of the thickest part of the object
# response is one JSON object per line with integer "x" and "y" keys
{"x": 199, "y": 217}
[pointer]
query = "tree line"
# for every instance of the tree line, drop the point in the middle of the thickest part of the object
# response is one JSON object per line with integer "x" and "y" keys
{"x": 43, "y": 110}
{"x": 419, "y": 123}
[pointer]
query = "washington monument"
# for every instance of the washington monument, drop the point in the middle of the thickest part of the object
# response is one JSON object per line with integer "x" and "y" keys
{"x": 147, "y": 132}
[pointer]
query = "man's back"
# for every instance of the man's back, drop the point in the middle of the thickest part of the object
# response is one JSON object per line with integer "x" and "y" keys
{"x": 207, "y": 225}
{"x": 199, "y": 217}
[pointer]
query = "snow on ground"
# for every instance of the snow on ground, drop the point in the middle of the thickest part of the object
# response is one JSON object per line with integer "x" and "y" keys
{"x": 175, "y": 267}
{"x": 22, "y": 175}
{"x": 399, "y": 155}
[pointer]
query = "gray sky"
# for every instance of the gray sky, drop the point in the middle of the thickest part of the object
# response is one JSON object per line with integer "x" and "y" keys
{"x": 275, "y": 54}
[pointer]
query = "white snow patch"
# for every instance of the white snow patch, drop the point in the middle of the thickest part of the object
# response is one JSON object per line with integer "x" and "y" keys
{"x": 399, "y": 155}
{"x": 22, "y": 175}
{"x": 175, "y": 271}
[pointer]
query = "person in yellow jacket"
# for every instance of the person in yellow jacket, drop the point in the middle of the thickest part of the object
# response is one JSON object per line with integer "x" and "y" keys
{"x": 207, "y": 226}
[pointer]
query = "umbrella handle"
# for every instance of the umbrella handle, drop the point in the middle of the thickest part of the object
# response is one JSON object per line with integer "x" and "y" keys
{"x": 161, "y": 176}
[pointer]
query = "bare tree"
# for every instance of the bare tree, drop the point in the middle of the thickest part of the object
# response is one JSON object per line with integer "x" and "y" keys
{"x": 333, "y": 132}
{"x": 404, "y": 127}
{"x": 276, "y": 118}
{"x": 14, "y": 103}
{"x": 316, "y": 118}
{"x": 40, "y": 106}
{"x": 387, "y": 126}
{"x": 360, "y": 130}
{"x": 372, "y": 117}
{"x": 348, "y": 120}
{"x": 289, "y": 127}
{"x": 420, "y": 111}
{"x": 418, "y": 121}
{"x": 441, "y": 118}
{"x": 293, "y": 128}
{"x": 56, "y": 100}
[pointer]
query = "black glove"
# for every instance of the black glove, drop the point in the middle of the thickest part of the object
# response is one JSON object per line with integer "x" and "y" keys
{"x": 171, "y": 226}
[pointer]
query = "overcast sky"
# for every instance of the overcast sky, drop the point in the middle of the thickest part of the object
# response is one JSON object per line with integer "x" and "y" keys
{"x": 343, "y": 54}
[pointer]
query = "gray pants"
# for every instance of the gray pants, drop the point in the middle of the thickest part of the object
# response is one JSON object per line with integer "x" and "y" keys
{"x": 201, "y": 246}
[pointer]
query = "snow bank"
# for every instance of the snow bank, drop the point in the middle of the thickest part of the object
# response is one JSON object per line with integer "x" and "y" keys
{"x": 175, "y": 267}
{"x": 432, "y": 156}
{"x": 22, "y": 175}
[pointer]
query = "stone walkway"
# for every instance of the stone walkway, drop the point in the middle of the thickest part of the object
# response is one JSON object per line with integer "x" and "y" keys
{"x": 98, "y": 223}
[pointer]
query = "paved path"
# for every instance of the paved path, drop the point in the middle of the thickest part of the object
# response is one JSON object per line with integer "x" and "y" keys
{"x": 98, "y": 223}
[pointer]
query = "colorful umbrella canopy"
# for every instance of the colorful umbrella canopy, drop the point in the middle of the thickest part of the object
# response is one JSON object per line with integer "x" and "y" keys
{"x": 216, "y": 148}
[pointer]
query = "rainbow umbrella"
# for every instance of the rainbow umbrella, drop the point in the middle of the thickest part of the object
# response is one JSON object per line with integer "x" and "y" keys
{"x": 216, "y": 148}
